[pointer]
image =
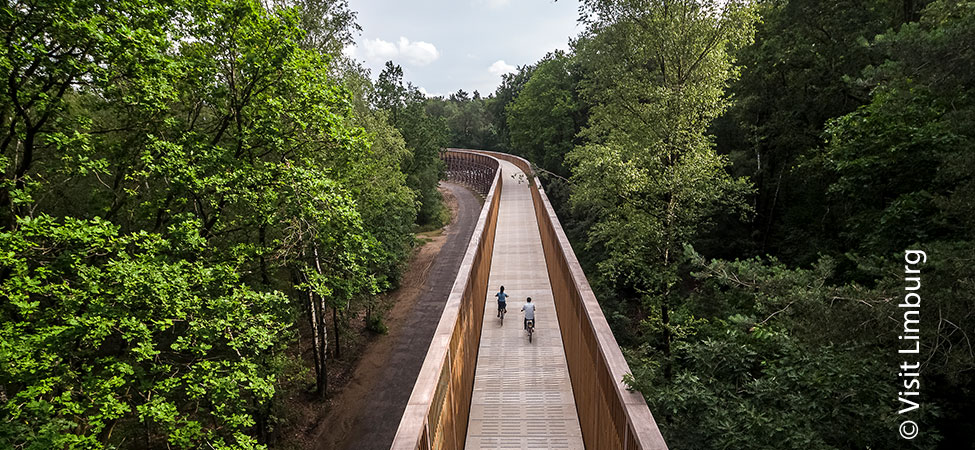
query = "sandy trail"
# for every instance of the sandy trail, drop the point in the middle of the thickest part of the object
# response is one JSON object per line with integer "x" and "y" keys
{"x": 365, "y": 415}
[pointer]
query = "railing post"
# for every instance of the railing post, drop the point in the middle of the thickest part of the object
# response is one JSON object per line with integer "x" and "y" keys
{"x": 471, "y": 169}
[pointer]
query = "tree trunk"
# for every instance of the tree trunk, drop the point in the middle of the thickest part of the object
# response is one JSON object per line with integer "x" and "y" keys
{"x": 665, "y": 303}
{"x": 335, "y": 324}
{"x": 771, "y": 212}
{"x": 316, "y": 343}
{"x": 665, "y": 319}
{"x": 322, "y": 341}
{"x": 322, "y": 348}
{"x": 261, "y": 414}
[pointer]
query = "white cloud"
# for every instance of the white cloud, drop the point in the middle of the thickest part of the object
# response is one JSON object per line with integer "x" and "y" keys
{"x": 378, "y": 49}
{"x": 428, "y": 94}
{"x": 500, "y": 68}
{"x": 417, "y": 53}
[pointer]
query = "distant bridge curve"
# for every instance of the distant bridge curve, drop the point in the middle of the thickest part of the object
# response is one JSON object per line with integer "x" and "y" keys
{"x": 482, "y": 385}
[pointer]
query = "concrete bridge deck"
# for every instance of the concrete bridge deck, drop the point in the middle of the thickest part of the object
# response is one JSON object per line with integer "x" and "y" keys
{"x": 522, "y": 394}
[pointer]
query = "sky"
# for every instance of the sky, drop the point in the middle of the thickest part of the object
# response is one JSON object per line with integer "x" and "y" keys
{"x": 446, "y": 45}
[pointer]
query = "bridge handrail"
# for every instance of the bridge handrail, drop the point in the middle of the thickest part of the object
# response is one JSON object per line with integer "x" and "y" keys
{"x": 437, "y": 413}
{"x": 470, "y": 168}
{"x": 611, "y": 416}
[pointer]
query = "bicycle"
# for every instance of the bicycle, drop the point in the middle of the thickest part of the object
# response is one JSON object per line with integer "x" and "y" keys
{"x": 531, "y": 329}
{"x": 502, "y": 306}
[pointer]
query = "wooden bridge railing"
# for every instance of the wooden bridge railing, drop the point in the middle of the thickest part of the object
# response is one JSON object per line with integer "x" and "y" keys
{"x": 611, "y": 416}
{"x": 473, "y": 169}
{"x": 437, "y": 413}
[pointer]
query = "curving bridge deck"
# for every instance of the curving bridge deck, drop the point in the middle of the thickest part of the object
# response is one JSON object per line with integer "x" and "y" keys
{"x": 483, "y": 385}
{"x": 522, "y": 393}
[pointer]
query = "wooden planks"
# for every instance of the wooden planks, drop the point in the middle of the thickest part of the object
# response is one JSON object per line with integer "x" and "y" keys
{"x": 612, "y": 417}
{"x": 442, "y": 415}
{"x": 522, "y": 393}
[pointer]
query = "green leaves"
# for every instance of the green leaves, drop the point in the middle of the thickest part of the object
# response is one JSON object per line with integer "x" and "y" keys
{"x": 786, "y": 359}
{"x": 905, "y": 154}
{"x": 649, "y": 174}
{"x": 547, "y": 113}
{"x": 423, "y": 135}
{"x": 128, "y": 314}
{"x": 171, "y": 169}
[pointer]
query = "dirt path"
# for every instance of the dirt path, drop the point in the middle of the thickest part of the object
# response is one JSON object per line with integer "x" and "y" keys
{"x": 366, "y": 413}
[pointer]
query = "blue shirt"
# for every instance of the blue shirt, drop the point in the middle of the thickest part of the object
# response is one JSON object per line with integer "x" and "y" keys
{"x": 501, "y": 296}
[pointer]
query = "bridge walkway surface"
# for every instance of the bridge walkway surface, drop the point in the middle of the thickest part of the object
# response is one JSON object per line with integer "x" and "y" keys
{"x": 522, "y": 395}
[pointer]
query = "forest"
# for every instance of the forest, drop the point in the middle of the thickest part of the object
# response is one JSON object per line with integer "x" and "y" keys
{"x": 191, "y": 190}
{"x": 741, "y": 181}
{"x": 194, "y": 189}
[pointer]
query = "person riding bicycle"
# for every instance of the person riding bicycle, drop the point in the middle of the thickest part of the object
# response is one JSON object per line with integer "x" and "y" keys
{"x": 529, "y": 310}
{"x": 501, "y": 301}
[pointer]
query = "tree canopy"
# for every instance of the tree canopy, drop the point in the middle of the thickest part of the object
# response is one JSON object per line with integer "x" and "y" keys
{"x": 186, "y": 185}
{"x": 744, "y": 180}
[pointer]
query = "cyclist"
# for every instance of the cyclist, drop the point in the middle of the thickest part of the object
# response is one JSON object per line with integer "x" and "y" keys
{"x": 501, "y": 301}
{"x": 529, "y": 310}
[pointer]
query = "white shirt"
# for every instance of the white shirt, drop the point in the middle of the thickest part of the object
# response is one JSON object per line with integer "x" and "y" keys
{"x": 529, "y": 310}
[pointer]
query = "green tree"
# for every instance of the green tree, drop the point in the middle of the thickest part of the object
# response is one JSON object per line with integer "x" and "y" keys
{"x": 795, "y": 77}
{"x": 903, "y": 171}
{"x": 902, "y": 165}
{"x": 649, "y": 177}
{"x": 386, "y": 200}
{"x": 547, "y": 114}
{"x": 56, "y": 49}
{"x": 772, "y": 357}
{"x": 506, "y": 93}
{"x": 424, "y": 135}
{"x": 111, "y": 339}
{"x": 468, "y": 118}
{"x": 215, "y": 151}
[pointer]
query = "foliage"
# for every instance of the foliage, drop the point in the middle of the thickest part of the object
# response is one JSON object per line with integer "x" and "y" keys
{"x": 104, "y": 331}
{"x": 649, "y": 171}
{"x": 547, "y": 114}
{"x": 649, "y": 176}
{"x": 498, "y": 102}
{"x": 329, "y": 25}
{"x": 114, "y": 48}
{"x": 903, "y": 179}
{"x": 172, "y": 170}
{"x": 469, "y": 119}
{"x": 385, "y": 195}
{"x": 795, "y": 78}
{"x": 424, "y": 135}
{"x": 906, "y": 154}
{"x": 752, "y": 369}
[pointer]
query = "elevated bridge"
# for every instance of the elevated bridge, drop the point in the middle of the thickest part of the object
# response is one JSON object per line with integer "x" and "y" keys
{"x": 482, "y": 384}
